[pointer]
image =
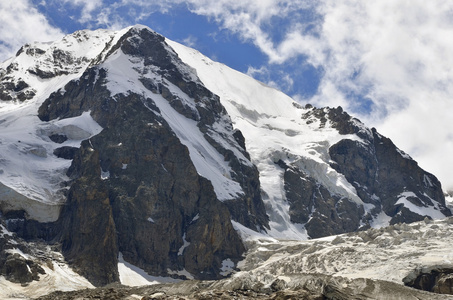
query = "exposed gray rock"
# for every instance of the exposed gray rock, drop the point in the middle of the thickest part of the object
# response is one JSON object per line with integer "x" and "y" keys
{"x": 66, "y": 152}
{"x": 16, "y": 265}
{"x": 437, "y": 280}
{"x": 88, "y": 234}
{"x": 322, "y": 212}
{"x": 58, "y": 138}
{"x": 381, "y": 172}
{"x": 11, "y": 89}
{"x": 19, "y": 270}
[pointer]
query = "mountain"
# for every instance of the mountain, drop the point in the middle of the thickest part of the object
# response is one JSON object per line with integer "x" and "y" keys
{"x": 123, "y": 147}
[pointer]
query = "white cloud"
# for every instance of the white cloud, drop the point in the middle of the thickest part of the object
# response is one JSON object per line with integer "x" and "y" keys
{"x": 249, "y": 20}
{"x": 190, "y": 41}
{"x": 397, "y": 54}
{"x": 88, "y": 8}
{"x": 22, "y": 23}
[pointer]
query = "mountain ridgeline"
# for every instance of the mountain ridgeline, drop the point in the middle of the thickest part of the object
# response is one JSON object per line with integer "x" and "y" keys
{"x": 181, "y": 169}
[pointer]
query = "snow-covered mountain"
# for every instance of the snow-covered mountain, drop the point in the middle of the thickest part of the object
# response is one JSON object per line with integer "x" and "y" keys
{"x": 123, "y": 148}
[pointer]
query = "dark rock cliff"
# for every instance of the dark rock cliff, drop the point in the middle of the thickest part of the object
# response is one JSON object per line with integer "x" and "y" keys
{"x": 380, "y": 173}
{"x": 323, "y": 213}
{"x": 135, "y": 189}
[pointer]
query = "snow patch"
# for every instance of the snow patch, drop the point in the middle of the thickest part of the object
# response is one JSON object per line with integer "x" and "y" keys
{"x": 18, "y": 251}
{"x": 182, "y": 272}
{"x": 427, "y": 181}
{"x": 403, "y": 154}
{"x": 184, "y": 246}
{"x": 5, "y": 231}
{"x": 449, "y": 201}
{"x": 131, "y": 275}
{"x": 381, "y": 220}
{"x": 431, "y": 211}
{"x": 105, "y": 175}
{"x": 195, "y": 218}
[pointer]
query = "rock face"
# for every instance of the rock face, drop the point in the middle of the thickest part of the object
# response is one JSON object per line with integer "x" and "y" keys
{"x": 439, "y": 280}
{"x": 136, "y": 180}
{"x": 384, "y": 176}
{"x": 312, "y": 204}
{"x": 386, "y": 179}
{"x": 15, "y": 264}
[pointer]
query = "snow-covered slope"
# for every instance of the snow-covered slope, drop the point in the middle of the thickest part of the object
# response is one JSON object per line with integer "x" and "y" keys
{"x": 275, "y": 128}
{"x": 30, "y": 175}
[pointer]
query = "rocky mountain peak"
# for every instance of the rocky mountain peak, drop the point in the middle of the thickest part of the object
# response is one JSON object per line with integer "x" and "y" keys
{"x": 147, "y": 150}
{"x": 161, "y": 130}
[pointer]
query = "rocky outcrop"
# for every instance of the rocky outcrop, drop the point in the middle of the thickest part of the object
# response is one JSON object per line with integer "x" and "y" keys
{"x": 437, "y": 280}
{"x": 382, "y": 174}
{"x": 312, "y": 204}
{"x": 18, "y": 269}
{"x": 386, "y": 179}
{"x": 88, "y": 234}
{"x": 16, "y": 265}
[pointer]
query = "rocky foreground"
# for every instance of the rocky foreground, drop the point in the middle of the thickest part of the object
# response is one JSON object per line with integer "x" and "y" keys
{"x": 310, "y": 287}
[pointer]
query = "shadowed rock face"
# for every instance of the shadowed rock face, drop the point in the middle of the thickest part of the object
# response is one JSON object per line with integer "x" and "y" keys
{"x": 88, "y": 230}
{"x": 439, "y": 280}
{"x": 375, "y": 167}
{"x": 381, "y": 173}
{"x": 134, "y": 187}
{"x": 312, "y": 204}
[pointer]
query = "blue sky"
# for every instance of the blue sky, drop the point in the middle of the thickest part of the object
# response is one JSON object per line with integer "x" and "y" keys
{"x": 388, "y": 62}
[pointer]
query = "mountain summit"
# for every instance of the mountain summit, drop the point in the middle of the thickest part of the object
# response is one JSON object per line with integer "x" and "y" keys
{"x": 127, "y": 146}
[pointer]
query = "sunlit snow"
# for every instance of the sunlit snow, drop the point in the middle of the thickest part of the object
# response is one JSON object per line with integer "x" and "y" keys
{"x": 432, "y": 211}
{"x": 131, "y": 275}
{"x": 272, "y": 125}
